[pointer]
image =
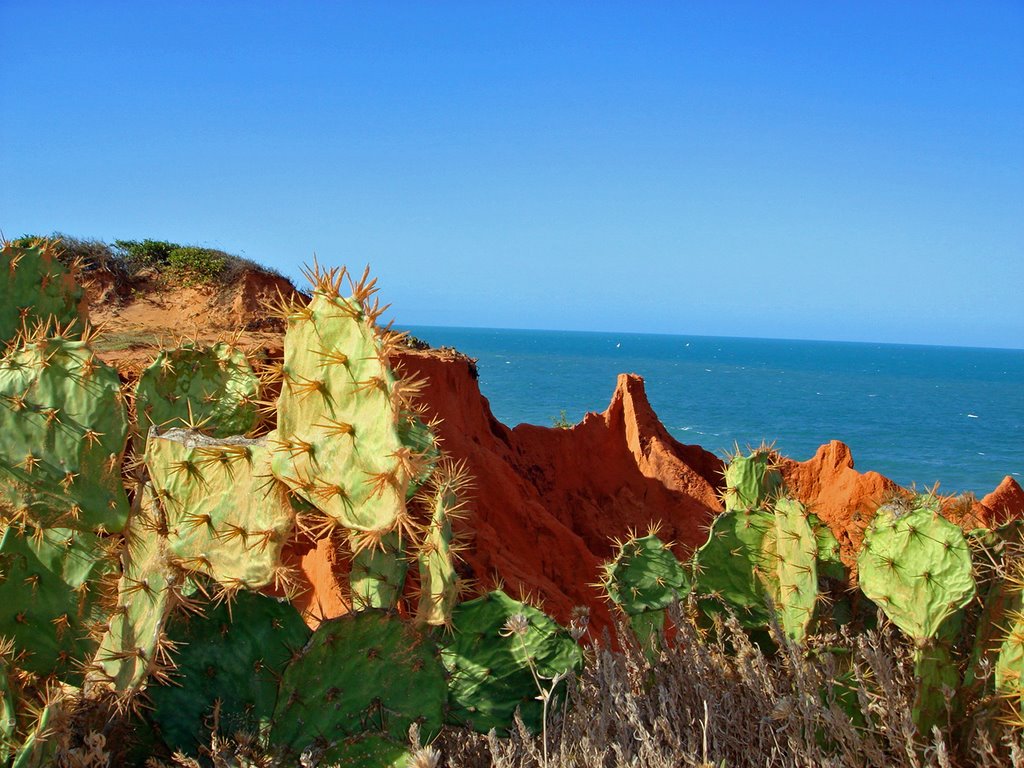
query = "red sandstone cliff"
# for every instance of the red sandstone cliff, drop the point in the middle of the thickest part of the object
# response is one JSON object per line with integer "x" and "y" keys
{"x": 548, "y": 501}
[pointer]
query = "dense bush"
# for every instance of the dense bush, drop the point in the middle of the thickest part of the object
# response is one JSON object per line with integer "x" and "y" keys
{"x": 145, "y": 253}
{"x": 196, "y": 265}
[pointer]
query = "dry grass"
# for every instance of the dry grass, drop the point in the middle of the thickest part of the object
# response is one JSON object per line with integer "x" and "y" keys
{"x": 712, "y": 700}
{"x": 715, "y": 699}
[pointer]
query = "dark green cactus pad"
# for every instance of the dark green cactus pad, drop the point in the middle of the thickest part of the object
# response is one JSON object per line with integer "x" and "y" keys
{"x": 377, "y": 576}
{"x": 369, "y": 672}
{"x": 371, "y": 750}
{"x": 212, "y": 388}
{"x": 64, "y": 427}
{"x": 489, "y": 655}
{"x": 937, "y": 678}
{"x": 729, "y": 568}
{"x": 916, "y": 566}
{"x": 227, "y": 516}
{"x": 644, "y": 576}
{"x": 752, "y": 481}
{"x": 50, "y": 587}
{"x": 36, "y": 288}
{"x": 233, "y": 655}
{"x": 8, "y": 716}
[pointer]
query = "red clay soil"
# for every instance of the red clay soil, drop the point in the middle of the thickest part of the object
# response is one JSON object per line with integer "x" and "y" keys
{"x": 1004, "y": 503}
{"x": 549, "y": 501}
{"x": 842, "y": 497}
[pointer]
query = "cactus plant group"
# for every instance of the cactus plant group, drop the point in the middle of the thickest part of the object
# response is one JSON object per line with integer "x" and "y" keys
{"x": 166, "y": 593}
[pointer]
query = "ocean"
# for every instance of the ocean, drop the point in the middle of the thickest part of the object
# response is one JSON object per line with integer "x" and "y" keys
{"x": 917, "y": 414}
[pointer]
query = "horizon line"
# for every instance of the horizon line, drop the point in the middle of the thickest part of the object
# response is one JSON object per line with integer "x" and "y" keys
{"x": 712, "y": 336}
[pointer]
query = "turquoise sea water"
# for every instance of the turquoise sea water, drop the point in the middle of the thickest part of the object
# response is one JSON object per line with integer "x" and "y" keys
{"x": 914, "y": 413}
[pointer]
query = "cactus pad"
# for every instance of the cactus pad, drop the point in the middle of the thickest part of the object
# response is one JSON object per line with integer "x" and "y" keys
{"x": 213, "y": 388}
{"x": 377, "y": 575}
{"x": 134, "y": 646}
{"x": 439, "y": 583}
{"x": 65, "y": 426}
{"x": 730, "y": 566}
{"x": 36, "y": 288}
{"x": 50, "y": 588}
{"x": 368, "y": 672}
{"x": 232, "y": 656}
{"x": 342, "y": 415}
{"x": 644, "y": 576}
{"x": 489, "y": 655}
{"x": 227, "y": 516}
{"x": 792, "y": 547}
{"x": 916, "y": 566}
{"x": 752, "y": 481}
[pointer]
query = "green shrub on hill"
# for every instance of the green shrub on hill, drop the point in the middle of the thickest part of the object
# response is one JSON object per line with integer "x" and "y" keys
{"x": 196, "y": 265}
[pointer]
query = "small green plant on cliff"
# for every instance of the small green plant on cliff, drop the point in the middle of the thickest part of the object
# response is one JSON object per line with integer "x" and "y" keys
{"x": 562, "y": 421}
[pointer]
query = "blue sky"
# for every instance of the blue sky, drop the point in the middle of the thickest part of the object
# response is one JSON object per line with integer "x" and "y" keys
{"x": 816, "y": 170}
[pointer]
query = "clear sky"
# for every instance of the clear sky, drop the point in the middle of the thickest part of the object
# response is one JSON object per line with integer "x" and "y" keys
{"x": 830, "y": 170}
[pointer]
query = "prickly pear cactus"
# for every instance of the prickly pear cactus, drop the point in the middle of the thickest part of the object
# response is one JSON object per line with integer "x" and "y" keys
{"x": 134, "y": 646}
{"x": 497, "y": 646}
{"x": 730, "y": 566}
{"x": 439, "y": 582}
{"x": 64, "y": 427}
{"x": 342, "y": 413}
{"x": 792, "y": 547}
{"x": 213, "y": 389}
{"x": 377, "y": 575}
{"x": 751, "y": 481}
{"x": 642, "y": 579}
{"x": 916, "y": 566}
{"x": 51, "y": 584}
{"x": 35, "y": 288}
{"x": 360, "y": 674}
{"x": 227, "y": 517}
{"x": 230, "y": 657}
